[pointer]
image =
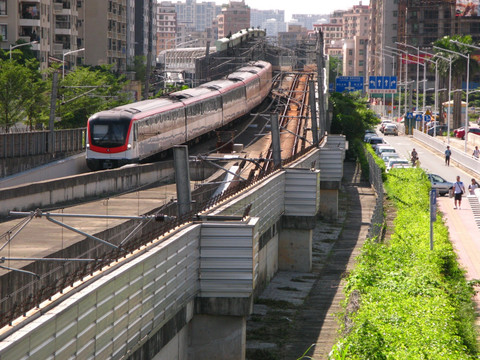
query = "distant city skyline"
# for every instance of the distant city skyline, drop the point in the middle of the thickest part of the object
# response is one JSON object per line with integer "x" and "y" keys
{"x": 301, "y": 6}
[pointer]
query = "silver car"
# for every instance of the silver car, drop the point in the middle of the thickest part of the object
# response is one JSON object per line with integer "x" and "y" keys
{"x": 440, "y": 184}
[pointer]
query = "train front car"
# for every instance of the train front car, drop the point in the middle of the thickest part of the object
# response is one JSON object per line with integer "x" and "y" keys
{"x": 109, "y": 140}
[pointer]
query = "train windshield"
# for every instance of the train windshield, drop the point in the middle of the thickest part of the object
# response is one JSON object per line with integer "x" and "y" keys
{"x": 108, "y": 133}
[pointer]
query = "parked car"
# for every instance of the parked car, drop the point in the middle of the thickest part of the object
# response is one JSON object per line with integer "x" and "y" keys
{"x": 386, "y": 157}
{"x": 375, "y": 140}
{"x": 398, "y": 163}
{"x": 384, "y": 123}
{"x": 369, "y": 133}
{"x": 390, "y": 129}
{"x": 384, "y": 148}
{"x": 460, "y": 132}
{"x": 440, "y": 184}
{"x": 437, "y": 130}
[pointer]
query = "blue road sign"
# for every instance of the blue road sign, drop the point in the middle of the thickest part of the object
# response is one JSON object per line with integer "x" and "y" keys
{"x": 409, "y": 115}
{"x": 349, "y": 83}
{"x": 419, "y": 117}
{"x": 428, "y": 118}
{"x": 393, "y": 82}
{"x": 382, "y": 84}
{"x": 386, "y": 82}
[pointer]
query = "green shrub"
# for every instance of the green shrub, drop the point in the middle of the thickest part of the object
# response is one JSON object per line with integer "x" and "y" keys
{"x": 413, "y": 303}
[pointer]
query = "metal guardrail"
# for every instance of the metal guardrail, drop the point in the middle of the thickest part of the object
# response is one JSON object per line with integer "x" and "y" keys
{"x": 36, "y": 142}
{"x": 465, "y": 159}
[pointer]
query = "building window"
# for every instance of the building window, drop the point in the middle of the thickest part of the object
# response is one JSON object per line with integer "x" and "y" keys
{"x": 350, "y": 52}
{"x": 431, "y": 14}
{"x": 3, "y": 32}
{"x": 395, "y": 13}
{"x": 3, "y": 7}
{"x": 361, "y": 63}
{"x": 394, "y": 26}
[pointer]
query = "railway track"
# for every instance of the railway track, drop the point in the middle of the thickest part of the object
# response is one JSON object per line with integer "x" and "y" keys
{"x": 293, "y": 109}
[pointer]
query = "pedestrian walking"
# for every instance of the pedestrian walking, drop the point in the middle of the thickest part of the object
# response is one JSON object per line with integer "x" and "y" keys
{"x": 474, "y": 185}
{"x": 448, "y": 153}
{"x": 458, "y": 190}
{"x": 476, "y": 153}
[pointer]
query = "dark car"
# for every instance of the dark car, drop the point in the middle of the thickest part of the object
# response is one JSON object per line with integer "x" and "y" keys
{"x": 437, "y": 130}
{"x": 375, "y": 140}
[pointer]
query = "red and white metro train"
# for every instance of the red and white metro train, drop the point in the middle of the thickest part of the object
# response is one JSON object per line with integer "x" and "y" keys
{"x": 130, "y": 133}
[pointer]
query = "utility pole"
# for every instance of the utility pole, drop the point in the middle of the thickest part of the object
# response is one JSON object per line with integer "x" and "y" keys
{"x": 313, "y": 112}
{"x": 321, "y": 80}
{"x": 182, "y": 179}
{"x": 277, "y": 155}
{"x": 149, "y": 49}
{"x": 53, "y": 103}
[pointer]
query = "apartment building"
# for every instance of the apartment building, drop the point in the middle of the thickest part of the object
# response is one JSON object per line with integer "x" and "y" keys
{"x": 196, "y": 16}
{"x": 107, "y": 30}
{"x": 166, "y": 25}
{"x": 308, "y": 20}
{"x": 52, "y": 23}
{"x": 235, "y": 16}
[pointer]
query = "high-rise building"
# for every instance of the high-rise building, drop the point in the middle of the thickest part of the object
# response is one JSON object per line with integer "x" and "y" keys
{"x": 259, "y": 17}
{"x": 146, "y": 28}
{"x": 235, "y": 16}
{"x": 196, "y": 16}
{"x": 356, "y": 28}
{"x": 166, "y": 26}
{"x": 308, "y": 20}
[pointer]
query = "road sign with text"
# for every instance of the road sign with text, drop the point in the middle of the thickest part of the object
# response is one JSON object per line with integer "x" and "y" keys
{"x": 349, "y": 83}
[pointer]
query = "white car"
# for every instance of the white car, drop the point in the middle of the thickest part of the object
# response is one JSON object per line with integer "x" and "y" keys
{"x": 382, "y": 149}
{"x": 398, "y": 163}
{"x": 386, "y": 157}
{"x": 390, "y": 129}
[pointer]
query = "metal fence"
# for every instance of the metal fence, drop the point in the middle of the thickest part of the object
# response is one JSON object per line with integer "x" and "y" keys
{"x": 37, "y": 142}
{"x": 375, "y": 178}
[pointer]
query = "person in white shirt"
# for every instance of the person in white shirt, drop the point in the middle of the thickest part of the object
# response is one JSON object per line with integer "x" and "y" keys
{"x": 458, "y": 190}
{"x": 471, "y": 188}
{"x": 476, "y": 153}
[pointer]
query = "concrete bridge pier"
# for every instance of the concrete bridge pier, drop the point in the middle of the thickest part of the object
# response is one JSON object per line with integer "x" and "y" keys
{"x": 295, "y": 243}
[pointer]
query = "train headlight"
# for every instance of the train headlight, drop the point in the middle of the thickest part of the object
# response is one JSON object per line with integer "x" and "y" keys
{"x": 88, "y": 146}
{"x": 129, "y": 146}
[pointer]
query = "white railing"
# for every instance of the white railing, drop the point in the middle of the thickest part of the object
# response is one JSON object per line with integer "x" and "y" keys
{"x": 466, "y": 160}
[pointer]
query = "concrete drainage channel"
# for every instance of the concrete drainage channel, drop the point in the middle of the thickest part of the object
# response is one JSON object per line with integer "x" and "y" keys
{"x": 274, "y": 312}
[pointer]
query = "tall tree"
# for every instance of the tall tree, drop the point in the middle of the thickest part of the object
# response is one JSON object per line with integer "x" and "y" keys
{"x": 14, "y": 90}
{"x": 351, "y": 116}
{"x": 86, "y": 91}
{"x": 459, "y": 69}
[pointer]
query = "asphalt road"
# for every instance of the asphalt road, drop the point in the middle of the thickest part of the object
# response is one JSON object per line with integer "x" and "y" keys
{"x": 429, "y": 161}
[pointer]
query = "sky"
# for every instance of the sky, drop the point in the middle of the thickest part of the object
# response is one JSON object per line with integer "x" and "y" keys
{"x": 300, "y": 6}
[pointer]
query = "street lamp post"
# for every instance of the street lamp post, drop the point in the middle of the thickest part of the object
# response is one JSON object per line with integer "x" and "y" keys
{"x": 468, "y": 81}
{"x": 418, "y": 63}
{"x": 20, "y": 45}
{"x": 393, "y": 72}
{"x": 63, "y": 59}
{"x": 394, "y": 52}
{"x": 406, "y": 71}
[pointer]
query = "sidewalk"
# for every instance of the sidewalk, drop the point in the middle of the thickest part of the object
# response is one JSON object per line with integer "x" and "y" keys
{"x": 465, "y": 238}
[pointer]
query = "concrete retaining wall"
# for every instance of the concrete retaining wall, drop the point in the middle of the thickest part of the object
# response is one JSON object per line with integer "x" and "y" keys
{"x": 72, "y": 189}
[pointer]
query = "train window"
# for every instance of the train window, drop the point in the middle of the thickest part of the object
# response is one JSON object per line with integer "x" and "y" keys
{"x": 109, "y": 132}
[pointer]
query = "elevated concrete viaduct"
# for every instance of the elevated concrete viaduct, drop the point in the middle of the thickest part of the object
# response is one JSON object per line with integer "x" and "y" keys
{"x": 187, "y": 294}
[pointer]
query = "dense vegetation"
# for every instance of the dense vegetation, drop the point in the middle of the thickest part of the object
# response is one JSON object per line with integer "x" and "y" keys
{"x": 405, "y": 301}
{"x": 25, "y": 91}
